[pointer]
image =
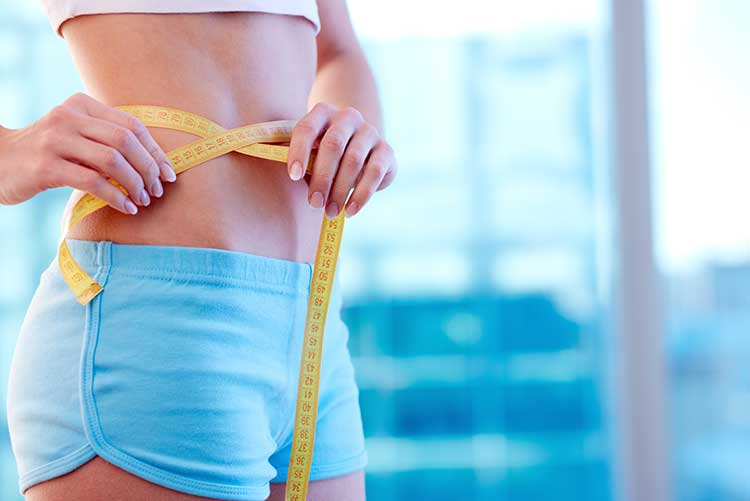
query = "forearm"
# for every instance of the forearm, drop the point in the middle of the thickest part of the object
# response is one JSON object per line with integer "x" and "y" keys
{"x": 347, "y": 80}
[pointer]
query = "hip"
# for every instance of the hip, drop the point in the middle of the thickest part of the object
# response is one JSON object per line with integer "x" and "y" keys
{"x": 204, "y": 304}
{"x": 183, "y": 370}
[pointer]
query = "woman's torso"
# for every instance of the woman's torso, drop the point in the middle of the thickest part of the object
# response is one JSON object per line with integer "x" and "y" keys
{"x": 235, "y": 68}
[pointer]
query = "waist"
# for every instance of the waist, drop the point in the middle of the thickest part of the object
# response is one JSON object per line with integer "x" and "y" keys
{"x": 239, "y": 204}
{"x": 189, "y": 263}
{"x": 234, "y": 68}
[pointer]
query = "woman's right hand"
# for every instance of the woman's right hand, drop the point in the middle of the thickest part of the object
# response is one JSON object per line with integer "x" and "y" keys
{"x": 81, "y": 143}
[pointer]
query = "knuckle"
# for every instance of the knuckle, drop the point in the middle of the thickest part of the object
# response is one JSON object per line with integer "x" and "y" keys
{"x": 378, "y": 168}
{"x": 333, "y": 140}
{"x": 354, "y": 157}
{"x": 369, "y": 130}
{"x": 122, "y": 137}
{"x": 156, "y": 152}
{"x": 351, "y": 113}
{"x": 386, "y": 148}
{"x": 111, "y": 158}
{"x": 323, "y": 107}
{"x": 324, "y": 179}
{"x": 135, "y": 125}
{"x": 76, "y": 99}
{"x": 59, "y": 114}
{"x": 304, "y": 127}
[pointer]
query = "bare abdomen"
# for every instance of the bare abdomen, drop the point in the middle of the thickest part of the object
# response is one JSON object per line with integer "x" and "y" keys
{"x": 234, "y": 68}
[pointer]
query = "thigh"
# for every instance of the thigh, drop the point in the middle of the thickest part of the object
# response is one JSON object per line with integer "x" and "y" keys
{"x": 349, "y": 487}
{"x": 99, "y": 479}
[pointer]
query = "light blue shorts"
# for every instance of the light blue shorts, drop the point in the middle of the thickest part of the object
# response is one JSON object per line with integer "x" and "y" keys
{"x": 183, "y": 371}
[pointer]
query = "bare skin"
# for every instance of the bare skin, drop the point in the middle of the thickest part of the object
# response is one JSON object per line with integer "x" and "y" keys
{"x": 236, "y": 69}
{"x": 239, "y": 76}
{"x": 99, "y": 479}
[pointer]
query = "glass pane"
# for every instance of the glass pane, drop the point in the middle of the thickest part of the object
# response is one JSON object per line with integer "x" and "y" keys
{"x": 471, "y": 283}
{"x": 700, "y": 109}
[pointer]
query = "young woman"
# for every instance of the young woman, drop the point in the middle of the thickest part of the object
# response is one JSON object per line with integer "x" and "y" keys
{"x": 178, "y": 381}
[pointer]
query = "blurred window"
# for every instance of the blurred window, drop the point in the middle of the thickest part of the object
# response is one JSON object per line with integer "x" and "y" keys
{"x": 701, "y": 106}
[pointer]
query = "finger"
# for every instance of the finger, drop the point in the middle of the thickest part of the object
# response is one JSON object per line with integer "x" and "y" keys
{"x": 125, "y": 141}
{"x": 305, "y": 133}
{"x": 328, "y": 158}
{"x": 352, "y": 163}
{"x": 132, "y": 123}
{"x": 109, "y": 162}
{"x": 378, "y": 164}
{"x": 388, "y": 178}
{"x": 67, "y": 173}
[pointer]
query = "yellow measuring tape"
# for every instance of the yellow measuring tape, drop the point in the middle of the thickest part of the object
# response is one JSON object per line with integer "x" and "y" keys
{"x": 249, "y": 140}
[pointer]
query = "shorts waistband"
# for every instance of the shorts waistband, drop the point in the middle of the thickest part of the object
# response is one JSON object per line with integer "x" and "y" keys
{"x": 210, "y": 262}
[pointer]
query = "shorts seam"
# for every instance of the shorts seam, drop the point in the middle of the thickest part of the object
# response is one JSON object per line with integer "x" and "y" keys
{"x": 358, "y": 461}
{"x": 92, "y": 423}
{"x": 55, "y": 468}
{"x": 327, "y": 470}
{"x": 55, "y": 462}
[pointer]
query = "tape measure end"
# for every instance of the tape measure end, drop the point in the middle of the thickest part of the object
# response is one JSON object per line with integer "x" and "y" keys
{"x": 89, "y": 294}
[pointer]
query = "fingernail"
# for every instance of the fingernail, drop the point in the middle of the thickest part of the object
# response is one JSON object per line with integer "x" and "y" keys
{"x": 170, "y": 174}
{"x": 156, "y": 189}
{"x": 296, "y": 171}
{"x": 130, "y": 207}
{"x": 332, "y": 210}
{"x": 145, "y": 199}
{"x": 351, "y": 209}
{"x": 316, "y": 200}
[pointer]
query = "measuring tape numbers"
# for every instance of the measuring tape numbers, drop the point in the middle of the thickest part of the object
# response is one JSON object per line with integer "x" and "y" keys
{"x": 255, "y": 140}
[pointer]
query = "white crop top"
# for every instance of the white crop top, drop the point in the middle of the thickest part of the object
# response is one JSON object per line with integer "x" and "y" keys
{"x": 58, "y": 11}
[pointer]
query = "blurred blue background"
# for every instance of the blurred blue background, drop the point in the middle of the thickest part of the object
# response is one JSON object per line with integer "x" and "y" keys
{"x": 482, "y": 335}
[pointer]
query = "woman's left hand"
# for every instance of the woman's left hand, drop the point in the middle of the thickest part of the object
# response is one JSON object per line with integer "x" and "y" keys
{"x": 351, "y": 154}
